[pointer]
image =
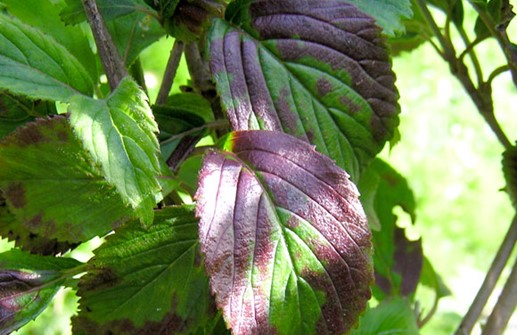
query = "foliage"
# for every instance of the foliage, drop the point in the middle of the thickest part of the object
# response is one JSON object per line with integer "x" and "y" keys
{"x": 299, "y": 98}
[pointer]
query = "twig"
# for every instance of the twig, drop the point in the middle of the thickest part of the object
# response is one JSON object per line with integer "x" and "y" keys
{"x": 505, "y": 306}
{"x": 170, "y": 72}
{"x": 493, "y": 274}
{"x": 496, "y": 72}
{"x": 110, "y": 58}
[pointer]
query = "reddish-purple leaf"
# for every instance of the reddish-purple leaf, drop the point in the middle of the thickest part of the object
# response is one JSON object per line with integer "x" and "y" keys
{"x": 318, "y": 70}
{"x": 286, "y": 241}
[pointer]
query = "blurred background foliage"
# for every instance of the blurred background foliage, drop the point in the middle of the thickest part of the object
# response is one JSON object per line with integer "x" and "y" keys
{"x": 449, "y": 156}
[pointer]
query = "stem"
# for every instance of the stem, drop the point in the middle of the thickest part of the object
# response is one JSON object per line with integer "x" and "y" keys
{"x": 170, "y": 72}
{"x": 503, "y": 310}
{"x": 473, "y": 55}
{"x": 211, "y": 125}
{"x": 482, "y": 95}
{"x": 501, "y": 38}
{"x": 110, "y": 58}
{"x": 498, "y": 71}
{"x": 202, "y": 80}
{"x": 493, "y": 274}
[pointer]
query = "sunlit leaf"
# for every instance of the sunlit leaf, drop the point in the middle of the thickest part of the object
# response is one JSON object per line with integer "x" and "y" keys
{"x": 53, "y": 187}
{"x": 35, "y": 65}
{"x": 388, "y": 13}
{"x": 120, "y": 133}
{"x": 27, "y": 285}
{"x": 392, "y": 316}
{"x": 44, "y": 15}
{"x": 285, "y": 238}
{"x": 318, "y": 70}
{"x": 147, "y": 281}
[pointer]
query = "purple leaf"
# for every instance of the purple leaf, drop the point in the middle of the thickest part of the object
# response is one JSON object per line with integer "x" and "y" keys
{"x": 318, "y": 70}
{"x": 286, "y": 241}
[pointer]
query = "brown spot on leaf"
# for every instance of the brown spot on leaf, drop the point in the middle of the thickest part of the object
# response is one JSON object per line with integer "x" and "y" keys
{"x": 99, "y": 279}
{"x": 351, "y": 105}
{"x": 323, "y": 86}
{"x": 16, "y": 195}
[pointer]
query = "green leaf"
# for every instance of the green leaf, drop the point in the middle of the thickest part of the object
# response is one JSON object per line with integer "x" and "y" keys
{"x": 285, "y": 239}
{"x": 35, "y": 65}
{"x": 119, "y": 132}
{"x": 28, "y": 283}
{"x": 398, "y": 261}
{"x": 133, "y": 33}
{"x": 498, "y": 12}
{"x": 433, "y": 280}
{"x": 323, "y": 75}
{"x": 147, "y": 280}
{"x": 53, "y": 187}
{"x": 16, "y": 111}
{"x": 510, "y": 173}
{"x": 74, "y": 13}
{"x": 44, "y": 15}
{"x": 392, "y": 316}
{"x": 451, "y": 8}
{"x": 388, "y": 14}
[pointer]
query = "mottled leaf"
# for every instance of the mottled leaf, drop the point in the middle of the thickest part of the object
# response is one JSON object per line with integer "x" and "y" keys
{"x": 147, "y": 281}
{"x": 510, "y": 173}
{"x": 53, "y": 187}
{"x": 285, "y": 238}
{"x": 35, "y": 65}
{"x": 16, "y": 111}
{"x": 27, "y": 285}
{"x": 11, "y": 229}
{"x": 119, "y": 132}
{"x": 389, "y": 14}
{"x": 318, "y": 70}
{"x": 398, "y": 261}
{"x": 44, "y": 15}
{"x": 392, "y": 316}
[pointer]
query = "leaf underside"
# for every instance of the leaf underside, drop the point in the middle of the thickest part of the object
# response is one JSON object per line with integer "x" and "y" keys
{"x": 285, "y": 238}
{"x": 318, "y": 70}
{"x": 147, "y": 281}
{"x": 53, "y": 187}
{"x": 27, "y": 285}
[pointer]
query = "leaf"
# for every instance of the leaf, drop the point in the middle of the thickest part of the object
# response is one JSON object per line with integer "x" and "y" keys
{"x": 35, "y": 65}
{"x": 398, "y": 261}
{"x": 388, "y": 13}
{"x": 16, "y": 111}
{"x": 119, "y": 132}
{"x": 27, "y": 285}
{"x": 24, "y": 238}
{"x": 392, "y": 316}
{"x": 52, "y": 186}
{"x": 500, "y": 12}
{"x": 510, "y": 173}
{"x": 452, "y": 8}
{"x": 318, "y": 70}
{"x": 73, "y": 13}
{"x": 146, "y": 281}
{"x": 285, "y": 239}
{"x": 44, "y": 15}
{"x": 133, "y": 33}
{"x": 433, "y": 280}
